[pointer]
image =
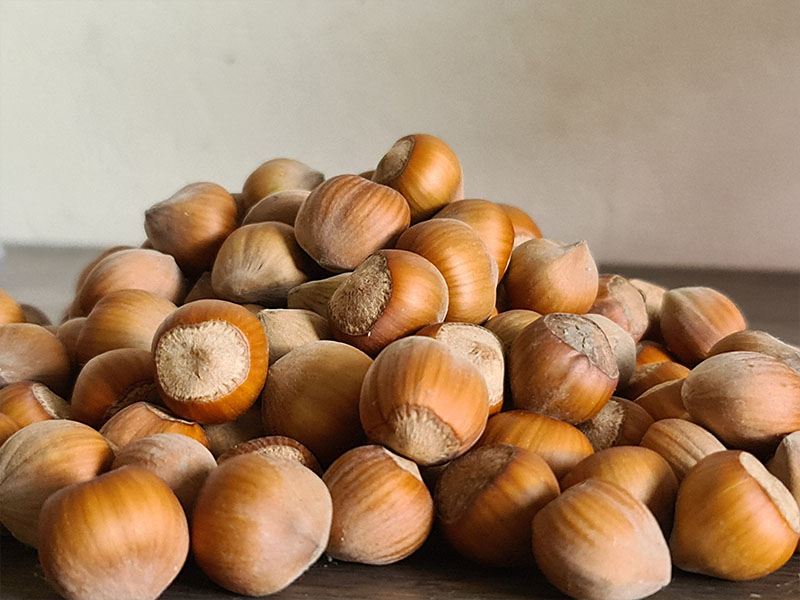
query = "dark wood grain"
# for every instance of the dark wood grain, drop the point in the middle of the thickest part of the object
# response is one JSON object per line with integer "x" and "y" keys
{"x": 771, "y": 301}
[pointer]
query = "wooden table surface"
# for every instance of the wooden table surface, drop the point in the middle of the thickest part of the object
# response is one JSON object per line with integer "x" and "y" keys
{"x": 770, "y": 301}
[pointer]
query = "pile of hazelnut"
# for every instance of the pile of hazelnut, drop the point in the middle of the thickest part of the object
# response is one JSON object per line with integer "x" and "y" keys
{"x": 332, "y": 366}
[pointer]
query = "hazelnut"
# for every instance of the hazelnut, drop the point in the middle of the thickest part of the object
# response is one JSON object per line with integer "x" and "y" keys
{"x": 287, "y": 329}
{"x": 751, "y": 340}
{"x": 41, "y": 459}
{"x": 142, "y": 419}
{"x": 618, "y": 300}
{"x": 8, "y": 427}
{"x": 548, "y": 276}
{"x": 561, "y": 445}
{"x": 202, "y": 289}
{"x": 562, "y": 366}
{"x": 649, "y": 375}
{"x": 619, "y": 423}
{"x": 312, "y": 396}
{"x": 664, "y": 401}
{"x": 785, "y": 464}
{"x": 68, "y": 333}
{"x": 681, "y": 443}
{"x": 597, "y": 541}
{"x": 259, "y": 523}
{"x": 509, "y": 324}
{"x": 121, "y": 319}
{"x": 315, "y": 295}
{"x": 259, "y": 263}
{"x": 10, "y": 310}
{"x": 348, "y": 218}
{"x": 693, "y": 319}
{"x": 525, "y": 228}
{"x": 425, "y": 170}
{"x": 180, "y": 461}
{"x": 648, "y": 351}
{"x": 275, "y": 176}
{"x": 280, "y": 206}
{"x": 91, "y": 265}
{"x": 29, "y": 352}
{"x": 137, "y": 269}
{"x": 486, "y": 500}
{"x": 653, "y": 295}
{"x": 747, "y": 399}
{"x": 224, "y": 436}
{"x": 211, "y": 360}
{"x": 120, "y": 536}
{"x": 464, "y": 261}
{"x": 275, "y": 445}
{"x": 27, "y": 402}
{"x": 641, "y": 472}
{"x": 482, "y": 348}
{"x": 112, "y": 381}
{"x": 423, "y": 400}
{"x": 490, "y": 222}
{"x": 390, "y": 295}
{"x": 733, "y": 519}
{"x": 622, "y": 345}
{"x": 382, "y": 511}
{"x": 192, "y": 224}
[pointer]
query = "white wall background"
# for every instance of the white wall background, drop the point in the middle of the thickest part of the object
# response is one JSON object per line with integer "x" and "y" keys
{"x": 664, "y": 132}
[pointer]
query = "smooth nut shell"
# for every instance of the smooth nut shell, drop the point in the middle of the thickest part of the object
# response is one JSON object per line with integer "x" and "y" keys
{"x": 665, "y": 401}
{"x": 561, "y": 445}
{"x": 287, "y": 329}
{"x": 41, "y": 459}
{"x": 733, "y": 519}
{"x": 10, "y": 310}
{"x": 596, "y": 541}
{"x": 525, "y": 228}
{"x": 751, "y": 340}
{"x": 747, "y": 399}
{"x": 693, "y": 319}
{"x": 275, "y": 445}
{"x": 464, "y": 261}
{"x": 315, "y": 295}
{"x": 619, "y": 423}
{"x": 618, "y": 300}
{"x": 423, "y": 400}
{"x": 509, "y": 324}
{"x": 547, "y": 276}
{"x": 141, "y": 419}
{"x": 681, "y": 443}
{"x": 121, "y": 536}
{"x": 382, "y": 511}
{"x": 277, "y": 175}
{"x": 259, "y": 523}
{"x": 30, "y": 352}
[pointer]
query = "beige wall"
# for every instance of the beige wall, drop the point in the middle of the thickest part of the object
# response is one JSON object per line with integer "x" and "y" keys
{"x": 660, "y": 131}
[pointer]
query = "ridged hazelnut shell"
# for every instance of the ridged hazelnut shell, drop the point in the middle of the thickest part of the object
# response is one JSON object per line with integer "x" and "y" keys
{"x": 192, "y": 224}
{"x": 41, "y": 459}
{"x": 122, "y": 319}
{"x": 598, "y": 542}
{"x": 561, "y": 445}
{"x": 347, "y": 218}
{"x": 27, "y": 402}
{"x": 618, "y": 300}
{"x": 392, "y": 294}
{"x": 464, "y": 261}
{"x": 180, "y": 461}
{"x": 259, "y": 263}
{"x": 30, "y": 352}
{"x": 649, "y": 375}
{"x": 138, "y": 269}
{"x": 525, "y": 228}
{"x": 121, "y": 536}
{"x": 142, "y": 419}
{"x": 733, "y": 519}
{"x": 275, "y": 176}
{"x": 382, "y": 511}
{"x": 681, "y": 443}
{"x": 423, "y": 400}
{"x": 642, "y": 472}
{"x": 547, "y": 276}
{"x": 259, "y": 523}
{"x": 312, "y": 396}
{"x": 693, "y": 319}
{"x": 509, "y": 324}
{"x": 665, "y": 401}
{"x": 490, "y": 222}
{"x": 111, "y": 381}
{"x": 747, "y": 399}
{"x": 562, "y": 366}
{"x": 425, "y": 170}
{"x": 486, "y": 500}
